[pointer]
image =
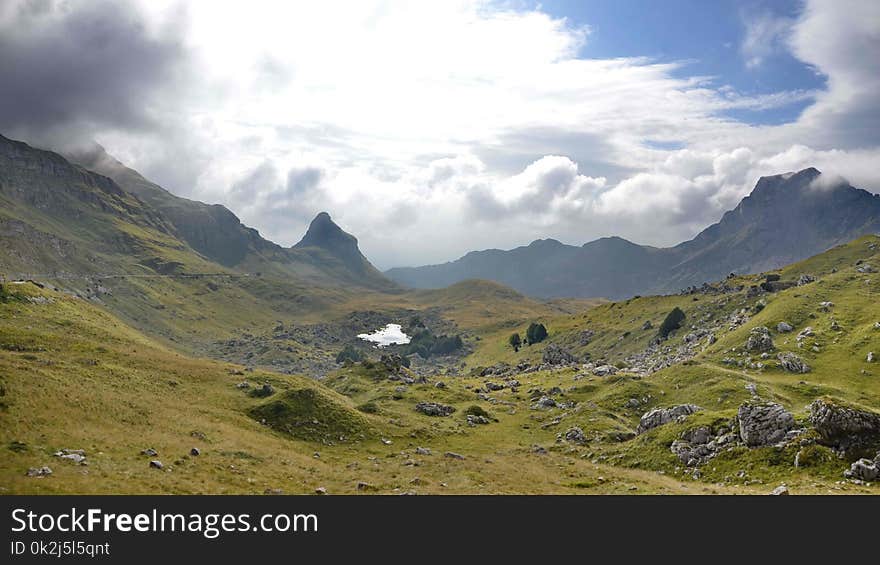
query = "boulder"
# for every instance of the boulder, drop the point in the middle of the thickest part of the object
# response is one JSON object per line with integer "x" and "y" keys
{"x": 759, "y": 340}
{"x": 781, "y": 490}
{"x": 792, "y": 363}
{"x": 604, "y": 370}
{"x": 805, "y": 279}
{"x": 39, "y": 472}
{"x": 575, "y": 435}
{"x": 844, "y": 426}
{"x": 543, "y": 403}
{"x": 556, "y": 355}
{"x": 453, "y": 455}
{"x": 864, "y": 470}
{"x": 434, "y": 409}
{"x": 661, "y": 416}
{"x": 150, "y": 452}
{"x": 763, "y": 423}
{"x": 156, "y": 464}
{"x": 870, "y": 357}
{"x": 784, "y": 327}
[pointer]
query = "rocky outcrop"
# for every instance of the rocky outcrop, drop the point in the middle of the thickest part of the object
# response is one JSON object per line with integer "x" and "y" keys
{"x": 759, "y": 340}
{"x": 792, "y": 363}
{"x": 763, "y": 423}
{"x": 434, "y": 409}
{"x": 661, "y": 416}
{"x": 843, "y": 426}
{"x": 556, "y": 355}
{"x": 864, "y": 469}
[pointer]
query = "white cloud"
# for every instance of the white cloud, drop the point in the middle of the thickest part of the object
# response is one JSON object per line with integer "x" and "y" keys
{"x": 430, "y": 129}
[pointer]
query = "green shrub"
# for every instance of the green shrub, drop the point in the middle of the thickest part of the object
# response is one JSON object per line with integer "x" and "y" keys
{"x": 349, "y": 353}
{"x": 536, "y": 333}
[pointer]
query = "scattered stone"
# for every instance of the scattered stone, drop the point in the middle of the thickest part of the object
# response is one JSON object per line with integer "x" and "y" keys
{"x": 439, "y": 384}
{"x": 805, "y": 279}
{"x": 243, "y": 385}
{"x": 78, "y": 456}
{"x": 423, "y": 451}
{"x": 835, "y": 326}
{"x": 792, "y": 363}
{"x": 556, "y": 355}
{"x": 39, "y": 472}
{"x": 784, "y": 327}
{"x": 661, "y": 416}
{"x": 805, "y": 333}
{"x": 473, "y": 420}
{"x": 826, "y": 306}
{"x": 321, "y": 490}
{"x": 543, "y": 403}
{"x": 453, "y": 455}
{"x": 195, "y": 452}
{"x": 150, "y": 452}
{"x": 575, "y": 435}
{"x": 492, "y": 387}
{"x": 864, "y": 469}
{"x": 362, "y": 486}
{"x": 434, "y": 409}
{"x": 156, "y": 464}
{"x": 605, "y": 370}
{"x": 870, "y": 357}
{"x": 759, "y": 340}
{"x": 385, "y": 441}
{"x": 763, "y": 423}
{"x": 781, "y": 490}
{"x": 647, "y": 325}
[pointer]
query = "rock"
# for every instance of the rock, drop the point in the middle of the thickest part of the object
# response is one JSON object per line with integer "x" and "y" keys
{"x": 39, "y": 472}
{"x": 805, "y": 279}
{"x": 865, "y": 268}
{"x": 864, "y": 470}
{"x": 586, "y": 337}
{"x": 835, "y": 326}
{"x": 759, "y": 340}
{"x": 556, "y": 355}
{"x": 434, "y": 409}
{"x": 439, "y": 384}
{"x": 78, "y": 456}
{"x": 474, "y": 420}
{"x": 575, "y": 435}
{"x": 243, "y": 385}
{"x": 423, "y": 451}
{"x": 453, "y": 455}
{"x": 781, "y": 490}
{"x": 870, "y": 357}
{"x": 150, "y": 452}
{"x": 843, "y": 426}
{"x": 543, "y": 403}
{"x": 647, "y": 325}
{"x": 156, "y": 464}
{"x": 764, "y": 423}
{"x": 264, "y": 391}
{"x": 195, "y": 452}
{"x": 321, "y": 490}
{"x": 492, "y": 387}
{"x": 792, "y": 363}
{"x": 805, "y": 333}
{"x": 784, "y": 327}
{"x": 362, "y": 486}
{"x": 661, "y": 416}
{"x": 826, "y": 306}
{"x": 604, "y": 370}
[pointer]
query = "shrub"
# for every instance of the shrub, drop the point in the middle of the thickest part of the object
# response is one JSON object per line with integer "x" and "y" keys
{"x": 515, "y": 341}
{"x": 672, "y": 322}
{"x": 536, "y": 333}
{"x": 474, "y": 410}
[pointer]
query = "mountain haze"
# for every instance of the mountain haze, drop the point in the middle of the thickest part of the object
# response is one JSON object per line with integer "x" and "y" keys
{"x": 786, "y": 218}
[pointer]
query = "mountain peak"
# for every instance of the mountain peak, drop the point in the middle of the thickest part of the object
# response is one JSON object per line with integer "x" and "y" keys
{"x": 324, "y": 232}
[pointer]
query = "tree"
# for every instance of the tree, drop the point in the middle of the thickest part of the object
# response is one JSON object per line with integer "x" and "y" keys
{"x": 536, "y": 333}
{"x": 515, "y": 341}
{"x": 672, "y": 322}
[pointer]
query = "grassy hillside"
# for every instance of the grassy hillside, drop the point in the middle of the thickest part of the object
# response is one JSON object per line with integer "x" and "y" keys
{"x": 76, "y": 377}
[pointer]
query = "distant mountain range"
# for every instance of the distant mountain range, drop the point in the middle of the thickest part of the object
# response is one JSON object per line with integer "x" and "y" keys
{"x": 786, "y": 218}
{"x": 89, "y": 213}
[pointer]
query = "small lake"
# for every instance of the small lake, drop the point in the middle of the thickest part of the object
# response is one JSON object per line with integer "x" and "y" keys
{"x": 391, "y": 334}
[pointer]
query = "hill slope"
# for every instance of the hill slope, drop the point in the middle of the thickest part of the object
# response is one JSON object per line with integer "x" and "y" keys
{"x": 786, "y": 218}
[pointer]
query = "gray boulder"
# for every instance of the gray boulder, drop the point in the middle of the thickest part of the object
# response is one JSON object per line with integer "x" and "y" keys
{"x": 434, "y": 409}
{"x": 556, "y": 355}
{"x": 843, "y": 426}
{"x": 759, "y": 340}
{"x": 763, "y": 423}
{"x": 575, "y": 435}
{"x": 792, "y": 363}
{"x": 864, "y": 470}
{"x": 661, "y": 416}
{"x": 604, "y": 370}
{"x": 784, "y": 327}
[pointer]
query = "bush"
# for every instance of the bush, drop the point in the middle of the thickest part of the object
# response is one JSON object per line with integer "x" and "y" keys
{"x": 475, "y": 410}
{"x": 350, "y": 354}
{"x": 536, "y": 333}
{"x": 425, "y": 344}
{"x": 672, "y": 322}
{"x": 515, "y": 341}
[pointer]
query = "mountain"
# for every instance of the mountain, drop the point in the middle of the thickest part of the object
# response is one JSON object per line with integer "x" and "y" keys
{"x": 786, "y": 218}
{"x": 217, "y": 234}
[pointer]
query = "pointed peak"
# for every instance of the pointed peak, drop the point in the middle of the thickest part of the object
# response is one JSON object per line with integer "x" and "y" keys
{"x": 324, "y": 232}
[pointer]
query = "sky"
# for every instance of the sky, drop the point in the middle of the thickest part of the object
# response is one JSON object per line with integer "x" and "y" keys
{"x": 430, "y": 129}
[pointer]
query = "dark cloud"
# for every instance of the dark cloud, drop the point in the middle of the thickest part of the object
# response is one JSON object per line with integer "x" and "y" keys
{"x": 302, "y": 180}
{"x": 69, "y": 72}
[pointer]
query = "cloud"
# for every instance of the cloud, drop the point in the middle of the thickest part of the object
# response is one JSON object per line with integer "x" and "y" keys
{"x": 432, "y": 129}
